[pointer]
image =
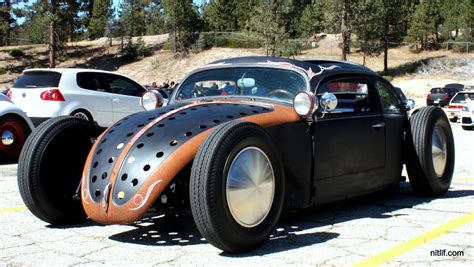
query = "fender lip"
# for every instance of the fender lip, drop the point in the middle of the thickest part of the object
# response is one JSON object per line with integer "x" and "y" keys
{"x": 164, "y": 172}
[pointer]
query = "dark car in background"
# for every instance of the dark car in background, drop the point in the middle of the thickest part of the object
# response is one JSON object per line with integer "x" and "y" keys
{"x": 440, "y": 96}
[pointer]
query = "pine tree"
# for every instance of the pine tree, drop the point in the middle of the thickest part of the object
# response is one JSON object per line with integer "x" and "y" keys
{"x": 312, "y": 19}
{"x": 101, "y": 13}
{"x": 269, "y": 21}
{"x": 182, "y": 21}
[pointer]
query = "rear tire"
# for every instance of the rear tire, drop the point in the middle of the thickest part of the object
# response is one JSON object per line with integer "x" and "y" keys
{"x": 50, "y": 169}
{"x": 430, "y": 152}
{"x": 225, "y": 214}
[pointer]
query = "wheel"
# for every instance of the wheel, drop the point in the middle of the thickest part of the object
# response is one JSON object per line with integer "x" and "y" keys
{"x": 453, "y": 119}
{"x": 83, "y": 114}
{"x": 430, "y": 152}
{"x": 13, "y": 133}
{"x": 50, "y": 169}
{"x": 237, "y": 187}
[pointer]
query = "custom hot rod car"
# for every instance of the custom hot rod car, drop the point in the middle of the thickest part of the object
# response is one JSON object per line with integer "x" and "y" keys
{"x": 241, "y": 141}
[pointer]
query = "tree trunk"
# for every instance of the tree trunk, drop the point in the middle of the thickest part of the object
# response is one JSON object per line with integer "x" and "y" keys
{"x": 345, "y": 31}
{"x": 385, "y": 54}
{"x": 52, "y": 36}
{"x": 385, "y": 43}
{"x": 7, "y": 17}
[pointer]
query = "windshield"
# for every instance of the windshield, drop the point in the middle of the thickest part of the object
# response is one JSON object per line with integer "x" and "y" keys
{"x": 240, "y": 81}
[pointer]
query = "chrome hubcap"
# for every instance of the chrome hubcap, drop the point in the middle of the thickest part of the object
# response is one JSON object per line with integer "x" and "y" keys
{"x": 439, "y": 151}
{"x": 250, "y": 187}
{"x": 7, "y": 138}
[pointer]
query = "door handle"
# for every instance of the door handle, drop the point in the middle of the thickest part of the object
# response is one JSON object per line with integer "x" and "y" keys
{"x": 379, "y": 125}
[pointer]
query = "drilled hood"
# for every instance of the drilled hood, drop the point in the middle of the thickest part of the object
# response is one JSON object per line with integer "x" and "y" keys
{"x": 133, "y": 161}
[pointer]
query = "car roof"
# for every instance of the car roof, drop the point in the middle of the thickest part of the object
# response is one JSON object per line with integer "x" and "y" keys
{"x": 75, "y": 71}
{"x": 316, "y": 65}
{"x": 68, "y": 70}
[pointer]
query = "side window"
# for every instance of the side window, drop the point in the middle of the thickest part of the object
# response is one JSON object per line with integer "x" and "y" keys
{"x": 353, "y": 95}
{"x": 121, "y": 85}
{"x": 388, "y": 100}
{"x": 88, "y": 80}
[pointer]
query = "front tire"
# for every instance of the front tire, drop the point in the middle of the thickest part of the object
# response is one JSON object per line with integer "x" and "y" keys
{"x": 430, "y": 152}
{"x": 50, "y": 169}
{"x": 237, "y": 187}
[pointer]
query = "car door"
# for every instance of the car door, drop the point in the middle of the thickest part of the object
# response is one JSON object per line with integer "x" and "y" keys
{"x": 349, "y": 142}
{"x": 126, "y": 96}
{"x": 395, "y": 118}
{"x": 94, "y": 97}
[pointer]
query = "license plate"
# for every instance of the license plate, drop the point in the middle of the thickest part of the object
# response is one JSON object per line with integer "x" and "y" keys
{"x": 452, "y": 113}
{"x": 436, "y": 101}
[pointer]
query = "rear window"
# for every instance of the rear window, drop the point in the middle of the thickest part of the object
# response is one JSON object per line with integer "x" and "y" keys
{"x": 438, "y": 90}
{"x": 462, "y": 97}
{"x": 38, "y": 79}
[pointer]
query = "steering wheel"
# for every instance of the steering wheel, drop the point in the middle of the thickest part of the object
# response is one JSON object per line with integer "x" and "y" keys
{"x": 281, "y": 91}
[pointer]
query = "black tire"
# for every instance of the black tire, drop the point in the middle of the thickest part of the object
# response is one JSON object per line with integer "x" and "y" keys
{"x": 209, "y": 204}
{"x": 454, "y": 119}
{"x": 20, "y": 130}
{"x": 50, "y": 169}
{"x": 420, "y": 167}
{"x": 83, "y": 114}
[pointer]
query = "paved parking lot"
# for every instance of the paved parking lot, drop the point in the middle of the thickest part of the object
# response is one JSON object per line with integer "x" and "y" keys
{"x": 397, "y": 230}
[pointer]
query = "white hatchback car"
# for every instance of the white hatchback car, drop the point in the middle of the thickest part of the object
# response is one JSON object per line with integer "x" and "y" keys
{"x": 99, "y": 96}
{"x": 15, "y": 127}
{"x": 467, "y": 116}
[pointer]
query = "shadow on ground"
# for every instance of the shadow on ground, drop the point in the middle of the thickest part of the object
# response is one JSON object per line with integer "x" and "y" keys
{"x": 180, "y": 230}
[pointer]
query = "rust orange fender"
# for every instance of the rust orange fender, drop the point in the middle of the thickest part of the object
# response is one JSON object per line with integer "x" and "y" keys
{"x": 133, "y": 161}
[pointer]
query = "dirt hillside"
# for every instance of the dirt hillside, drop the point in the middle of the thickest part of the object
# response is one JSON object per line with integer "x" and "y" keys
{"x": 161, "y": 65}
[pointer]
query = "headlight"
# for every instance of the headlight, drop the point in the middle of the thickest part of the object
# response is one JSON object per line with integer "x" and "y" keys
{"x": 151, "y": 100}
{"x": 305, "y": 104}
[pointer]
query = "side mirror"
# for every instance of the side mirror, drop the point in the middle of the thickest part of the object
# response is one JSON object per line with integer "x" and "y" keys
{"x": 328, "y": 102}
{"x": 151, "y": 100}
{"x": 305, "y": 103}
{"x": 409, "y": 104}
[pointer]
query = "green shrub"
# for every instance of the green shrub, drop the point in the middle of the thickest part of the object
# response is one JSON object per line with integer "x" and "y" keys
{"x": 205, "y": 41}
{"x": 2, "y": 71}
{"x": 135, "y": 51}
{"x": 168, "y": 45}
{"x": 16, "y": 53}
{"x": 462, "y": 47}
